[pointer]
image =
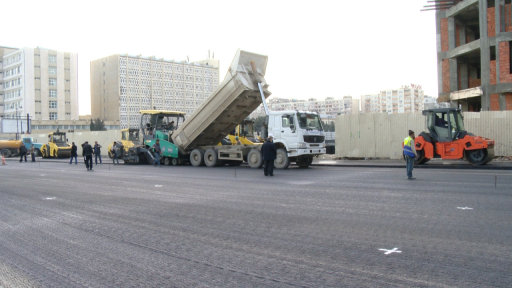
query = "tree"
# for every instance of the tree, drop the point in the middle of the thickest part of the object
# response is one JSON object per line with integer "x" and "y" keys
{"x": 97, "y": 125}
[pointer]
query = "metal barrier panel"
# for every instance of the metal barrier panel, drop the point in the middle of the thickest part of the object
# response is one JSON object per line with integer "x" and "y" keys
{"x": 379, "y": 135}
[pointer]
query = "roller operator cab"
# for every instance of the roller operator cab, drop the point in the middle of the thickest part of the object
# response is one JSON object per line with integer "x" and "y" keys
{"x": 448, "y": 139}
{"x": 298, "y": 135}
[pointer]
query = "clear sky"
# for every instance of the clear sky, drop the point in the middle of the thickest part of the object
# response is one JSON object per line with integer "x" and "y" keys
{"x": 316, "y": 49}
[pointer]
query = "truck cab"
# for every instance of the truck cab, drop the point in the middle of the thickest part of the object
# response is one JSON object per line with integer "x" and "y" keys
{"x": 298, "y": 135}
{"x": 29, "y": 141}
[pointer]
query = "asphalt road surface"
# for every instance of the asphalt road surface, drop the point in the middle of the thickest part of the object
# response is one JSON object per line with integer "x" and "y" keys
{"x": 144, "y": 226}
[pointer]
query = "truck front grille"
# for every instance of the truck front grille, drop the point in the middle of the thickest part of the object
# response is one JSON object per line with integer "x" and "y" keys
{"x": 314, "y": 139}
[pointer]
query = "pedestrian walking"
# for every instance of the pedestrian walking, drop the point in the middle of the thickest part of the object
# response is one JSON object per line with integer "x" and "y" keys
{"x": 97, "y": 152}
{"x": 87, "y": 153}
{"x": 156, "y": 151}
{"x": 33, "y": 152}
{"x": 74, "y": 153}
{"x": 23, "y": 152}
{"x": 268, "y": 151}
{"x": 409, "y": 154}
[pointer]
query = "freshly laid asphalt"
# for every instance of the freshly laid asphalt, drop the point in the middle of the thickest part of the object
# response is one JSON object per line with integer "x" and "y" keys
{"x": 325, "y": 226}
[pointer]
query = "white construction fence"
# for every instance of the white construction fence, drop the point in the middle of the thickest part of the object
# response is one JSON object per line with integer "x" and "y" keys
{"x": 379, "y": 135}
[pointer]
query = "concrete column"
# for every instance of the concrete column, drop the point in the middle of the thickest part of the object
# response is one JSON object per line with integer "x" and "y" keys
{"x": 451, "y": 33}
{"x": 454, "y": 85}
{"x": 485, "y": 55}
{"x": 498, "y": 6}
{"x": 439, "y": 14}
{"x": 503, "y": 102}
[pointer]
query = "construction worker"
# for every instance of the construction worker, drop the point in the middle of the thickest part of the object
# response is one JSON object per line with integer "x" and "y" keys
{"x": 268, "y": 151}
{"x": 87, "y": 153}
{"x": 156, "y": 152}
{"x": 409, "y": 154}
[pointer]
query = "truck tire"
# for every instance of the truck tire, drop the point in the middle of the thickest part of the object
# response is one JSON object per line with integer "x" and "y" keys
{"x": 210, "y": 158}
{"x": 6, "y": 153}
{"x": 477, "y": 157}
{"x": 420, "y": 159}
{"x": 167, "y": 161}
{"x": 254, "y": 159}
{"x": 196, "y": 157}
{"x": 304, "y": 161}
{"x": 282, "y": 161}
{"x": 174, "y": 161}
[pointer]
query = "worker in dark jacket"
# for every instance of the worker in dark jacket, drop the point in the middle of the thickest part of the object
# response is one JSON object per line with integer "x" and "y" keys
{"x": 87, "y": 153}
{"x": 23, "y": 152}
{"x": 74, "y": 154}
{"x": 268, "y": 151}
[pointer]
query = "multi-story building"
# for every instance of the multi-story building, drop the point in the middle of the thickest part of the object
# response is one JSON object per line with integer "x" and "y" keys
{"x": 330, "y": 106}
{"x": 39, "y": 82}
{"x": 474, "y": 39}
{"x": 407, "y": 99}
{"x": 122, "y": 85}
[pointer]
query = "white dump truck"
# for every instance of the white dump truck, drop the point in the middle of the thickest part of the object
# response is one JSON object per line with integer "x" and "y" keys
{"x": 298, "y": 135}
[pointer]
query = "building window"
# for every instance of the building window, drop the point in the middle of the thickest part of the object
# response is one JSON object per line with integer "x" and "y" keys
{"x": 52, "y": 70}
{"x": 52, "y": 58}
{"x": 52, "y": 82}
{"x": 52, "y": 104}
{"x": 53, "y": 115}
{"x": 53, "y": 93}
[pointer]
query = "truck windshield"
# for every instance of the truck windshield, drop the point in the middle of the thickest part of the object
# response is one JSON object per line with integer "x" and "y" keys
{"x": 309, "y": 121}
{"x": 59, "y": 138}
{"x": 459, "y": 120}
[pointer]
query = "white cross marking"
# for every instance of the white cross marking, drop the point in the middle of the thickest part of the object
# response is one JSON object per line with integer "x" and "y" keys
{"x": 465, "y": 208}
{"x": 394, "y": 250}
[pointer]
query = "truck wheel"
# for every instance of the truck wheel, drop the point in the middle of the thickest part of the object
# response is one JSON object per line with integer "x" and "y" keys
{"x": 6, "y": 153}
{"x": 210, "y": 158}
{"x": 420, "y": 159}
{"x": 167, "y": 161}
{"x": 477, "y": 157}
{"x": 304, "y": 161}
{"x": 174, "y": 161}
{"x": 282, "y": 161}
{"x": 196, "y": 157}
{"x": 254, "y": 158}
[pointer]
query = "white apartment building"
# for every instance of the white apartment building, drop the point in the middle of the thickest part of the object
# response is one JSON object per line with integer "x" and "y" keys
{"x": 403, "y": 100}
{"x": 122, "y": 85}
{"x": 39, "y": 82}
{"x": 330, "y": 106}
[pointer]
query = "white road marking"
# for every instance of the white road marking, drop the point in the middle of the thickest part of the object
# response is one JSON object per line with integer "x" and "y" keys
{"x": 301, "y": 182}
{"x": 394, "y": 250}
{"x": 42, "y": 174}
{"x": 465, "y": 208}
{"x": 158, "y": 186}
{"x": 49, "y": 198}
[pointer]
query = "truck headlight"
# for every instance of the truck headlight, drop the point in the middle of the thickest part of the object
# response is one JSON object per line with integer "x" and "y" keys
{"x": 302, "y": 145}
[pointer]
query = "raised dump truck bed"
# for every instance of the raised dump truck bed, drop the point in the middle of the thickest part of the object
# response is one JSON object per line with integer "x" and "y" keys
{"x": 236, "y": 98}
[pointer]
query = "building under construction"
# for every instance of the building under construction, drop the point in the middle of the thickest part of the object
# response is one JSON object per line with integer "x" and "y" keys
{"x": 474, "y": 39}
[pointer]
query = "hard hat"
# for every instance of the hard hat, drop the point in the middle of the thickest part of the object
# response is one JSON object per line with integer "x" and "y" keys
{"x": 270, "y": 135}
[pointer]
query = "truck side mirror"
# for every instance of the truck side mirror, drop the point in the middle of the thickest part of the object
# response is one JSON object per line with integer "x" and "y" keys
{"x": 292, "y": 127}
